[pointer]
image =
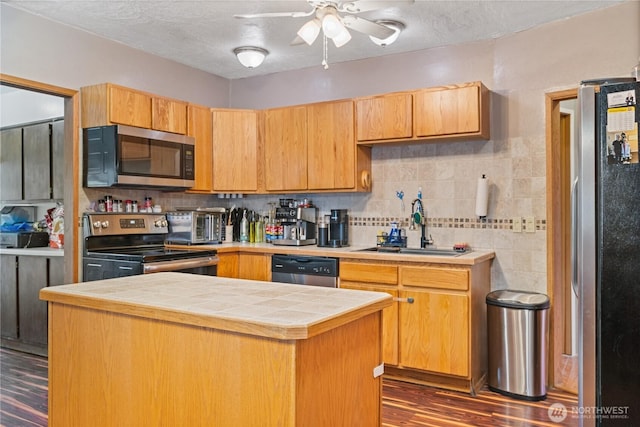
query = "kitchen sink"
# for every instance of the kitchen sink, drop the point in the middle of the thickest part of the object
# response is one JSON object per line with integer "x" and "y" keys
{"x": 413, "y": 251}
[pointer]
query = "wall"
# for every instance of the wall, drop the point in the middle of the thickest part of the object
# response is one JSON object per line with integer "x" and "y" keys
{"x": 519, "y": 69}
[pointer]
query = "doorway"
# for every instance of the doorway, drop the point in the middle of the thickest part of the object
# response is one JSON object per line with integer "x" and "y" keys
{"x": 560, "y": 131}
{"x": 72, "y": 161}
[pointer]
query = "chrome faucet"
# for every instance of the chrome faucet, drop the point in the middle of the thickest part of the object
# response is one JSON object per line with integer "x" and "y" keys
{"x": 418, "y": 217}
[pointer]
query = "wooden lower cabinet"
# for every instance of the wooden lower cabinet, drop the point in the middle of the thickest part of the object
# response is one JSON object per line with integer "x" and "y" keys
{"x": 435, "y": 332}
{"x": 228, "y": 265}
{"x": 389, "y": 320}
{"x": 252, "y": 266}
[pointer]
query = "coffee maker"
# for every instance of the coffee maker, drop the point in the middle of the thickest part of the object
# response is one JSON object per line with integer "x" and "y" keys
{"x": 298, "y": 224}
{"x": 334, "y": 233}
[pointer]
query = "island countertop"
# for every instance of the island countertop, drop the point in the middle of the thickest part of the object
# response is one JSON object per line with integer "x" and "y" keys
{"x": 267, "y": 309}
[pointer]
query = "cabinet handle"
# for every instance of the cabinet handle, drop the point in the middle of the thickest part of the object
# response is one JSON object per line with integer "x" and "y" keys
{"x": 409, "y": 300}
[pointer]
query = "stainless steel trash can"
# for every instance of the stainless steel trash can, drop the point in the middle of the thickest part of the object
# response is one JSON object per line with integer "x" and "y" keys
{"x": 517, "y": 333}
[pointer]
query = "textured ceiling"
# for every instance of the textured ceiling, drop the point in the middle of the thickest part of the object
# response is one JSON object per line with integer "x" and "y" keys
{"x": 203, "y": 34}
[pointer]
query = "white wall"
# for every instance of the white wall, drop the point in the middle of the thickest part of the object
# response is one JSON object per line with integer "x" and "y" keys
{"x": 19, "y": 106}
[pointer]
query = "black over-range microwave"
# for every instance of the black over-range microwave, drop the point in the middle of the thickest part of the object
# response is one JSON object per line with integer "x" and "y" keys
{"x": 126, "y": 156}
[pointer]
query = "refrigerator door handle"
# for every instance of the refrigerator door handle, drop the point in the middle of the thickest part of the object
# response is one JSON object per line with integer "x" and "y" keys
{"x": 574, "y": 237}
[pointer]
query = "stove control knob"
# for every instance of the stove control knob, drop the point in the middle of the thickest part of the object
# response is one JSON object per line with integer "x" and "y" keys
{"x": 96, "y": 224}
{"x": 105, "y": 224}
{"x": 162, "y": 223}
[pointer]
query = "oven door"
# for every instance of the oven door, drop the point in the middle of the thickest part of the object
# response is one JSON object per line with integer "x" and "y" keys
{"x": 206, "y": 266}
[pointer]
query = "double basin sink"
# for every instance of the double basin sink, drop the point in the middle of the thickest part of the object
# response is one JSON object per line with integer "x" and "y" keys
{"x": 414, "y": 251}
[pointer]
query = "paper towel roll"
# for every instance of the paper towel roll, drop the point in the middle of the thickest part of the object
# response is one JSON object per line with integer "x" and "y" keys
{"x": 482, "y": 196}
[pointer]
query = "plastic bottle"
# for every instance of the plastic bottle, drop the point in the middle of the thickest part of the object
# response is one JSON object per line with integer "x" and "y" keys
{"x": 244, "y": 227}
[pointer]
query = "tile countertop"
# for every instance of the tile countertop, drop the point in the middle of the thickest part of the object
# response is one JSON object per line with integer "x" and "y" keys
{"x": 44, "y": 251}
{"x": 349, "y": 252}
{"x": 266, "y": 309}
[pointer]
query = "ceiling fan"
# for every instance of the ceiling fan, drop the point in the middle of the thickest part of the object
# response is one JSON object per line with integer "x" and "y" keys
{"x": 335, "y": 18}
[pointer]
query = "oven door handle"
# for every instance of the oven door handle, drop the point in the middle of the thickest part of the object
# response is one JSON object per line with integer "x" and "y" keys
{"x": 157, "y": 267}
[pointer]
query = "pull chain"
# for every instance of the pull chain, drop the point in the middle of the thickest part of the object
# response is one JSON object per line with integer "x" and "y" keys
{"x": 325, "y": 53}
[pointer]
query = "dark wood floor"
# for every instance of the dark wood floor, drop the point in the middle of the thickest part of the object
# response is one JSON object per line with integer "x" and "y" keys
{"x": 23, "y": 401}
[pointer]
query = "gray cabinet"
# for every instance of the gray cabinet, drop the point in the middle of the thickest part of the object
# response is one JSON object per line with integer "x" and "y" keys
{"x": 23, "y": 314}
{"x": 57, "y": 160}
{"x": 32, "y": 159}
{"x": 11, "y": 164}
{"x": 9, "y": 297}
{"x": 36, "y": 161}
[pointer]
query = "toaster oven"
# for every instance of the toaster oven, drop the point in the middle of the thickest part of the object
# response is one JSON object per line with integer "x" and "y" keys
{"x": 196, "y": 227}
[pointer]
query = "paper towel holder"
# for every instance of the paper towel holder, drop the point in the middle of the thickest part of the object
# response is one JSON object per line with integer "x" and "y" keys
{"x": 482, "y": 198}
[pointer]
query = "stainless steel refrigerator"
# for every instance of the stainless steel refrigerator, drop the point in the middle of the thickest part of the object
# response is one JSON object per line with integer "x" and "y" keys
{"x": 606, "y": 252}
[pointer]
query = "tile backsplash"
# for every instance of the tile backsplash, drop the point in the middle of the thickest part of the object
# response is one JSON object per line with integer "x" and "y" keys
{"x": 447, "y": 175}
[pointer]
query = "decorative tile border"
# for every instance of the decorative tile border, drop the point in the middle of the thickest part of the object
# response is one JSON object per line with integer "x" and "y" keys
{"x": 470, "y": 223}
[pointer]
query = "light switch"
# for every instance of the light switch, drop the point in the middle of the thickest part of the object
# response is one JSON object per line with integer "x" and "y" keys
{"x": 516, "y": 222}
{"x": 529, "y": 224}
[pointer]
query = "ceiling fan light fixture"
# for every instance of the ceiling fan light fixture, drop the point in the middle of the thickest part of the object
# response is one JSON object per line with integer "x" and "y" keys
{"x": 250, "y": 56}
{"x": 309, "y": 31}
{"x": 331, "y": 25}
{"x": 394, "y": 25}
{"x": 342, "y": 38}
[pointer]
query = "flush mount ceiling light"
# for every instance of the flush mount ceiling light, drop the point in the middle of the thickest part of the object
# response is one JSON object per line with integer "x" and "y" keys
{"x": 396, "y": 26}
{"x": 250, "y": 56}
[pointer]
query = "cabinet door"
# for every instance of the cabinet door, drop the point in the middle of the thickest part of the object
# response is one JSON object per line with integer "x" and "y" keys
{"x": 235, "y": 151}
{"x": 384, "y": 117}
{"x": 57, "y": 159}
{"x": 11, "y": 164}
{"x": 389, "y": 320}
{"x": 228, "y": 265}
{"x": 447, "y": 111}
{"x": 37, "y": 161}
{"x": 331, "y": 146}
{"x": 286, "y": 149}
{"x": 254, "y": 267}
{"x": 169, "y": 115}
{"x": 9, "y": 297}
{"x": 199, "y": 127}
{"x": 129, "y": 107}
{"x": 434, "y": 332}
{"x": 32, "y": 276}
{"x": 56, "y": 271}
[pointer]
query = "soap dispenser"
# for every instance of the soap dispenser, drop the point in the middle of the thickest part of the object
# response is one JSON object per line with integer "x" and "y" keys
{"x": 244, "y": 227}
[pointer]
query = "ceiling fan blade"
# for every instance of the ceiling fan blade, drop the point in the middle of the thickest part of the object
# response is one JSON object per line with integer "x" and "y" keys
{"x": 358, "y": 6}
{"x": 275, "y": 15}
{"x": 367, "y": 27}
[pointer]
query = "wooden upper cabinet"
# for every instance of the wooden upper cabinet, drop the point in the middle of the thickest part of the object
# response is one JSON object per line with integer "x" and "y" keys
{"x": 129, "y": 107}
{"x": 285, "y": 148}
{"x": 455, "y": 111}
{"x": 331, "y": 147}
{"x": 169, "y": 115}
{"x": 384, "y": 117}
{"x": 235, "y": 151}
{"x": 199, "y": 126}
{"x": 106, "y": 104}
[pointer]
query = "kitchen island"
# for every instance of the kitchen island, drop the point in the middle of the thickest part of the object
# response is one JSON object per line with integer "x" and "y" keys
{"x": 181, "y": 349}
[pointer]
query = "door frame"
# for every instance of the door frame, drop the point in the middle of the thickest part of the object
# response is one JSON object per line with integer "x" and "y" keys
{"x": 72, "y": 165}
{"x": 558, "y": 361}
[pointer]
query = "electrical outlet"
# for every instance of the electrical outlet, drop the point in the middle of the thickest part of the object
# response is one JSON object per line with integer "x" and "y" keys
{"x": 529, "y": 225}
{"x": 516, "y": 222}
